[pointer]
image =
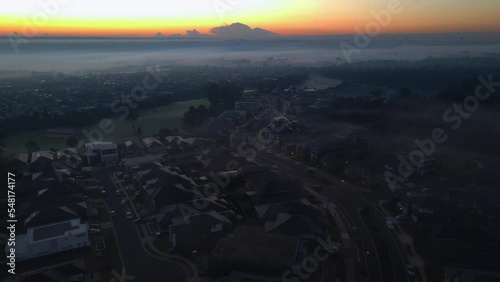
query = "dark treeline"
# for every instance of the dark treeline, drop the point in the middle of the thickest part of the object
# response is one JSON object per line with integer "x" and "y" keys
{"x": 428, "y": 74}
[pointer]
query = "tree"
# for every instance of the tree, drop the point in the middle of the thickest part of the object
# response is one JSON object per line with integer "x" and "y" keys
{"x": 72, "y": 142}
{"x": 53, "y": 150}
{"x": 405, "y": 93}
{"x": 222, "y": 94}
{"x": 213, "y": 89}
{"x": 164, "y": 132}
{"x": 376, "y": 93}
{"x": 195, "y": 116}
{"x": 31, "y": 146}
{"x": 132, "y": 118}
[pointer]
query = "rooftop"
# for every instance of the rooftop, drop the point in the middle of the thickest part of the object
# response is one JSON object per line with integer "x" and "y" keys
{"x": 100, "y": 145}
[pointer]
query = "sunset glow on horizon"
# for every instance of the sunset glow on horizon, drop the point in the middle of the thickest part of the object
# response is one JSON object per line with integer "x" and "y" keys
{"x": 284, "y": 17}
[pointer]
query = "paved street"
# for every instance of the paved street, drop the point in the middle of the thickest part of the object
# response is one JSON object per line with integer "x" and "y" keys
{"x": 136, "y": 260}
{"x": 350, "y": 201}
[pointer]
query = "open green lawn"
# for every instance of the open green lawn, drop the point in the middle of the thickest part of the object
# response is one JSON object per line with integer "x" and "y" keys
{"x": 150, "y": 121}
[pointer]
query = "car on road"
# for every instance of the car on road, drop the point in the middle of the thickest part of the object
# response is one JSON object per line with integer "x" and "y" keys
{"x": 98, "y": 181}
{"x": 139, "y": 221}
{"x": 119, "y": 174}
{"x": 94, "y": 230}
{"x": 410, "y": 269}
{"x": 103, "y": 192}
{"x": 389, "y": 224}
{"x": 123, "y": 202}
{"x": 128, "y": 215}
{"x": 117, "y": 193}
{"x": 113, "y": 213}
{"x": 335, "y": 247}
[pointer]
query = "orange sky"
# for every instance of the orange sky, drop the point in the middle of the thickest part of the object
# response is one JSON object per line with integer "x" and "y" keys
{"x": 285, "y": 17}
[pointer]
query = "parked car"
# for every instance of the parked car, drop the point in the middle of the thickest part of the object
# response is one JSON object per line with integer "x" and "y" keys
{"x": 411, "y": 270}
{"x": 123, "y": 202}
{"x": 113, "y": 213}
{"x": 335, "y": 248}
{"x": 139, "y": 221}
{"x": 389, "y": 224}
{"x": 94, "y": 231}
{"x": 117, "y": 193}
{"x": 128, "y": 215}
{"x": 103, "y": 192}
{"x": 119, "y": 174}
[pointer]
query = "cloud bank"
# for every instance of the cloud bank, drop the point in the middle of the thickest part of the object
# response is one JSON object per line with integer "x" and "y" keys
{"x": 233, "y": 31}
{"x": 242, "y": 31}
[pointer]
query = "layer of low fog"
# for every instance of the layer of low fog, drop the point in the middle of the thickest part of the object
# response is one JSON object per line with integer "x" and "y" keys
{"x": 91, "y": 54}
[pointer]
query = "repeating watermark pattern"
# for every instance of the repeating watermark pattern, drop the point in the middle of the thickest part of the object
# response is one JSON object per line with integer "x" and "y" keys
{"x": 222, "y": 7}
{"x": 124, "y": 106}
{"x": 363, "y": 37}
{"x": 47, "y": 9}
{"x": 121, "y": 277}
{"x": 247, "y": 148}
{"x": 309, "y": 265}
{"x": 454, "y": 118}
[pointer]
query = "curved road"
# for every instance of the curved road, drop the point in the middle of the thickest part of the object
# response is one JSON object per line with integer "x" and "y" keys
{"x": 136, "y": 260}
{"x": 350, "y": 201}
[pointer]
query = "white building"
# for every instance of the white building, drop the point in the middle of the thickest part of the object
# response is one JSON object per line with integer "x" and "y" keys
{"x": 51, "y": 238}
{"x": 106, "y": 152}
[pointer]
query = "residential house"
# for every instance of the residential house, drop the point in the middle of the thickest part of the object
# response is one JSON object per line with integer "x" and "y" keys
{"x": 71, "y": 271}
{"x": 178, "y": 212}
{"x": 197, "y": 144}
{"x": 164, "y": 186}
{"x": 133, "y": 148}
{"x": 217, "y": 126}
{"x": 69, "y": 157}
{"x": 217, "y": 159}
{"x": 104, "y": 152}
{"x": 153, "y": 145}
{"x": 198, "y": 226}
{"x": 269, "y": 187}
{"x": 252, "y": 250}
{"x": 52, "y": 222}
{"x": 251, "y": 108}
{"x": 418, "y": 205}
{"x": 237, "y": 117}
{"x": 138, "y": 162}
{"x": 297, "y": 217}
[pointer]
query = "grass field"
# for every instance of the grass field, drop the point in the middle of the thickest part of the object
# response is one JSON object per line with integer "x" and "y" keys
{"x": 150, "y": 121}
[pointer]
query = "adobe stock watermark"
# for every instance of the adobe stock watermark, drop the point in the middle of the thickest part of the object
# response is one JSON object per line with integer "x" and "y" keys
{"x": 222, "y": 7}
{"x": 372, "y": 28}
{"x": 124, "y": 106}
{"x": 309, "y": 265}
{"x": 47, "y": 9}
{"x": 454, "y": 118}
{"x": 121, "y": 277}
{"x": 247, "y": 148}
